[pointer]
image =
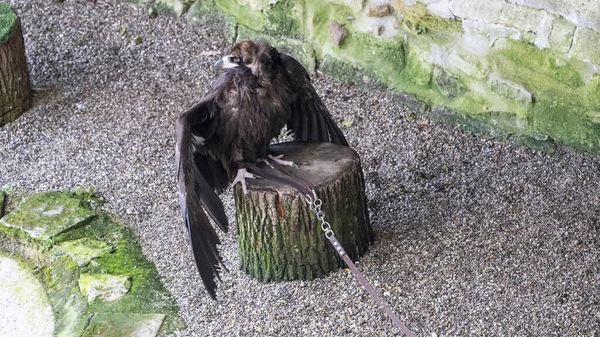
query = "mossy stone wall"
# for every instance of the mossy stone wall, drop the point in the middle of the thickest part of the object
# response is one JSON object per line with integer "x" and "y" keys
{"x": 529, "y": 68}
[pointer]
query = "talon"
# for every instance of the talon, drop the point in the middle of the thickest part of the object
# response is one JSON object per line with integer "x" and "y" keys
{"x": 278, "y": 160}
{"x": 241, "y": 177}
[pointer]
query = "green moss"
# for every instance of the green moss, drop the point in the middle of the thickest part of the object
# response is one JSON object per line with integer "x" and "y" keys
{"x": 381, "y": 59}
{"x": 469, "y": 124}
{"x": 540, "y": 70}
{"x": 349, "y": 72}
{"x": 562, "y": 99}
{"x": 243, "y": 14}
{"x": 593, "y": 91}
{"x": 118, "y": 325}
{"x": 567, "y": 121}
{"x": 419, "y": 19}
{"x": 505, "y": 121}
{"x": 542, "y": 145}
{"x": 449, "y": 85}
{"x": 100, "y": 227}
{"x": 319, "y": 14}
{"x": 70, "y": 308}
{"x": 82, "y": 251}
{"x": 298, "y": 49}
{"x": 418, "y": 71}
{"x": 385, "y": 58}
{"x": 281, "y": 20}
{"x": 45, "y": 215}
{"x": 103, "y": 287}
{"x": 8, "y": 21}
{"x": 147, "y": 294}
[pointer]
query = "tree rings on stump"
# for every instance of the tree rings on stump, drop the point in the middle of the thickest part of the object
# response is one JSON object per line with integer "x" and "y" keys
{"x": 280, "y": 238}
{"x": 15, "y": 88}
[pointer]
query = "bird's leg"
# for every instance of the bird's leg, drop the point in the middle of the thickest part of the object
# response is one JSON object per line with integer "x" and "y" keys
{"x": 242, "y": 175}
{"x": 280, "y": 161}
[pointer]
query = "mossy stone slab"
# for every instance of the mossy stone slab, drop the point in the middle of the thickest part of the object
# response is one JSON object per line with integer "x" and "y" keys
{"x": 124, "y": 324}
{"x": 8, "y": 21}
{"x": 24, "y": 306}
{"x": 82, "y": 251}
{"x": 44, "y": 215}
{"x": 106, "y": 287}
{"x": 586, "y": 43}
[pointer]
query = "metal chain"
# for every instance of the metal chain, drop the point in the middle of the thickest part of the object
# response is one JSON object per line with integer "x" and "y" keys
{"x": 314, "y": 203}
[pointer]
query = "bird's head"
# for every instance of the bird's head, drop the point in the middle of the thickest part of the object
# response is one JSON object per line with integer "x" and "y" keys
{"x": 256, "y": 56}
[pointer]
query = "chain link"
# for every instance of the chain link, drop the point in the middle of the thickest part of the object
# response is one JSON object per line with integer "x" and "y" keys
{"x": 314, "y": 203}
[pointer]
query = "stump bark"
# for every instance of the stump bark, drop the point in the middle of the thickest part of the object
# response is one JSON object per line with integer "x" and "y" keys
{"x": 279, "y": 237}
{"x": 15, "y": 88}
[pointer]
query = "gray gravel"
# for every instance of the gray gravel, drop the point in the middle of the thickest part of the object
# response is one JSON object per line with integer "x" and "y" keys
{"x": 474, "y": 237}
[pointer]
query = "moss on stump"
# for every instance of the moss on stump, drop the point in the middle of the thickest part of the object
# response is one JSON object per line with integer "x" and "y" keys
{"x": 280, "y": 239}
{"x": 15, "y": 88}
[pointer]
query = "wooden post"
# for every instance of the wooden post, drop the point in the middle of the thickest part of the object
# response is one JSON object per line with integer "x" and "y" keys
{"x": 15, "y": 88}
{"x": 280, "y": 239}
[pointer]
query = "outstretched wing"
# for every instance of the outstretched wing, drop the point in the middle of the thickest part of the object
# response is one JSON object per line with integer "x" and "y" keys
{"x": 310, "y": 119}
{"x": 200, "y": 173}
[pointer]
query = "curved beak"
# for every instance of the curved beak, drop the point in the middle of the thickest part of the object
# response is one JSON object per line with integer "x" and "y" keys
{"x": 219, "y": 64}
{"x": 225, "y": 63}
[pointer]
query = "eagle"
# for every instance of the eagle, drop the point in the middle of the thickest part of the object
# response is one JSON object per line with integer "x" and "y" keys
{"x": 258, "y": 93}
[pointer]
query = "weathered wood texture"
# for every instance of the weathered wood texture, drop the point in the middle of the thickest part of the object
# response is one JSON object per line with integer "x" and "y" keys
{"x": 15, "y": 88}
{"x": 279, "y": 237}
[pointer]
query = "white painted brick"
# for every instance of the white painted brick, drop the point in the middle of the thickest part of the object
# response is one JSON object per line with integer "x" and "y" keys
{"x": 491, "y": 31}
{"x": 561, "y": 35}
{"x": 441, "y": 8}
{"x": 543, "y": 35}
{"x": 500, "y": 12}
{"x": 583, "y": 13}
{"x": 356, "y": 5}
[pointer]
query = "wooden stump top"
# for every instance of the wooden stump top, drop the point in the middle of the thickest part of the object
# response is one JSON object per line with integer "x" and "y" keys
{"x": 320, "y": 163}
{"x": 8, "y": 21}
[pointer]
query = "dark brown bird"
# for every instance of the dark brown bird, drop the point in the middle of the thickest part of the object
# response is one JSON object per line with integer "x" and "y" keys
{"x": 259, "y": 91}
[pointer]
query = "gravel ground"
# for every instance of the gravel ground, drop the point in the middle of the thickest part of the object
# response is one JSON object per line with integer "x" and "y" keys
{"x": 474, "y": 237}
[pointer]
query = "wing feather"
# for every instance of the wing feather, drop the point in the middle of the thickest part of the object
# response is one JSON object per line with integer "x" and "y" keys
{"x": 198, "y": 176}
{"x": 310, "y": 119}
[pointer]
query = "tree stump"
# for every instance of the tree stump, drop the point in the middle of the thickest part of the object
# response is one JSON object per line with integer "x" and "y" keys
{"x": 15, "y": 88}
{"x": 279, "y": 237}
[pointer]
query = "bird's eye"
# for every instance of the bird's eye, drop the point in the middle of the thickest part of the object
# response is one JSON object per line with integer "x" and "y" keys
{"x": 235, "y": 59}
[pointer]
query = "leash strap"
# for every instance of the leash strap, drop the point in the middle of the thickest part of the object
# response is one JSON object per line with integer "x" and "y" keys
{"x": 369, "y": 288}
{"x": 314, "y": 203}
{"x": 283, "y": 180}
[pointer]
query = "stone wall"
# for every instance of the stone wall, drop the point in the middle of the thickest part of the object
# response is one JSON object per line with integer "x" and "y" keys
{"x": 526, "y": 67}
